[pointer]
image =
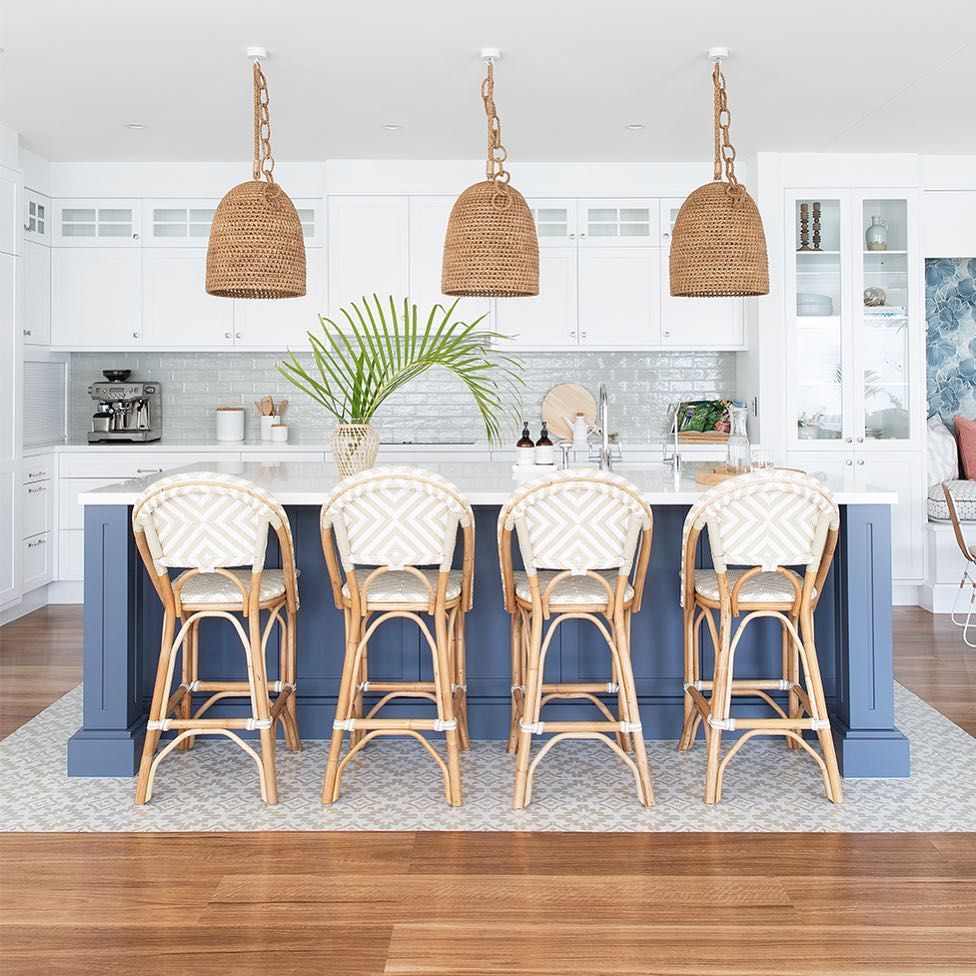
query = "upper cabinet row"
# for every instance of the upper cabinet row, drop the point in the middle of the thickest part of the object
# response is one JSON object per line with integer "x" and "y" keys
{"x": 130, "y": 273}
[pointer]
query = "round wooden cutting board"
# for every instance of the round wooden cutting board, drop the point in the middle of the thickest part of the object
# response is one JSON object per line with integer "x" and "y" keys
{"x": 567, "y": 400}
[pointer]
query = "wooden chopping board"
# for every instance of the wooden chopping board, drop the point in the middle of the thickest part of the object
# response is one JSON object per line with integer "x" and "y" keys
{"x": 567, "y": 400}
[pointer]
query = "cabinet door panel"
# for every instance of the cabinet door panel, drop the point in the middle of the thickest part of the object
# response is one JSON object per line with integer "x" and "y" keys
{"x": 10, "y": 542}
{"x": 37, "y": 294}
{"x": 177, "y": 312}
{"x": 368, "y": 249}
{"x": 96, "y": 297}
{"x": 618, "y": 223}
{"x": 98, "y": 223}
{"x": 694, "y": 323}
{"x": 428, "y": 226}
{"x": 284, "y": 323}
{"x": 37, "y": 218}
{"x": 619, "y": 302}
{"x": 555, "y": 221}
{"x": 550, "y": 318}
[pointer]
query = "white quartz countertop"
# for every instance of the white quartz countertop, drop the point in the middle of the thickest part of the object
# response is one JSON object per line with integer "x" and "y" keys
{"x": 481, "y": 482}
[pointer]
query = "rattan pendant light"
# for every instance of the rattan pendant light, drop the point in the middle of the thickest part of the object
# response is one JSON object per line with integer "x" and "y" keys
{"x": 718, "y": 247}
{"x": 491, "y": 249}
{"x": 256, "y": 247}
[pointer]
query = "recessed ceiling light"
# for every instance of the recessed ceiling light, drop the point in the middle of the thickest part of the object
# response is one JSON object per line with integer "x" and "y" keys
{"x": 635, "y": 126}
{"x": 134, "y": 125}
{"x": 392, "y": 126}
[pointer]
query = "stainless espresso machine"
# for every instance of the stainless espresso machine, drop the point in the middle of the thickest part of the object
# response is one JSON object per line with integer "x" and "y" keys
{"x": 126, "y": 411}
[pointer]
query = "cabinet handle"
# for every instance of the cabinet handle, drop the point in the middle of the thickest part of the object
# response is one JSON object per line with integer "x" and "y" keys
{"x": 666, "y": 236}
{"x": 31, "y": 475}
{"x": 149, "y": 470}
{"x": 667, "y": 335}
{"x": 227, "y": 335}
{"x": 572, "y": 335}
{"x": 583, "y": 335}
{"x": 860, "y": 461}
{"x": 27, "y": 332}
{"x": 860, "y": 440}
{"x": 850, "y": 440}
{"x": 572, "y": 237}
{"x": 849, "y": 463}
{"x": 36, "y": 543}
{"x": 36, "y": 489}
{"x": 135, "y": 237}
{"x": 135, "y": 335}
{"x": 582, "y": 235}
{"x": 238, "y": 335}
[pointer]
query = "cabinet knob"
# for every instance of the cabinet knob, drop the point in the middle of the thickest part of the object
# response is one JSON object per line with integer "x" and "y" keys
{"x": 849, "y": 463}
{"x": 572, "y": 237}
{"x": 238, "y": 335}
{"x": 860, "y": 440}
{"x": 573, "y": 335}
{"x": 583, "y": 235}
{"x": 27, "y": 332}
{"x": 850, "y": 440}
{"x": 860, "y": 461}
{"x": 227, "y": 335}
{"x": 135, "y": 237}
{"x": 667, "y": 334}
{"x": 135, "y": 335}
{"x": 583, "y": 335}
{"x": 666, "y": 236}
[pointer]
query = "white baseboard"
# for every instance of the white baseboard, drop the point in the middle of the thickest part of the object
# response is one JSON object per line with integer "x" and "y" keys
{"x": 29, "y": 602}
{"x": 66, "y": 591}
{"x": 939, "y": 597}
{"x": 904, "y": 594}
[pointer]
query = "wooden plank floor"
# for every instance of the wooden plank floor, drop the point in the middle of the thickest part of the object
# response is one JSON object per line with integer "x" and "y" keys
{"x": 450, "y": 903}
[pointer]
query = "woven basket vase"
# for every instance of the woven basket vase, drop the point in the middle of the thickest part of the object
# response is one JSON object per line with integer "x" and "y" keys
{"x": 491, "y": 249}
{"x": 354, "y": 448}
{"x": 718, "y": 248}
{"x": 256, "y": 248}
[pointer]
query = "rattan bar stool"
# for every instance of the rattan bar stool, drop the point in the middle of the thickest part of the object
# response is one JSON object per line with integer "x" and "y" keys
{"x": 581, "y": 534}
{"x": 391, "y": 525}
{"x": 969, "y": 568}
{"x": 215, "y": 527}
{"x": 762, "y": 523}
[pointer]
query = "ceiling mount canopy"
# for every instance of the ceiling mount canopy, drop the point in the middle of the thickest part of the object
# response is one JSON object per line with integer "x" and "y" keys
{"x": 256, "y": 248}
{"x": 491, "y": 249}
{"x": 718, "y": 247}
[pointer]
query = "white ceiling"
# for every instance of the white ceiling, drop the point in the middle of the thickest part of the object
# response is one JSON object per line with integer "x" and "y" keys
{"x": 834, "y": 76}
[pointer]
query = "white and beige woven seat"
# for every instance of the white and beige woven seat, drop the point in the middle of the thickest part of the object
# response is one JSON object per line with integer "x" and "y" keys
{"x": 951, "y": 491}
{"x": 582, "y": 534}
{"x": 758, "y": 526}
{"x": 391, "y": 525}
{"x": 570, "y": 589}
{"x": 215, "y": 527}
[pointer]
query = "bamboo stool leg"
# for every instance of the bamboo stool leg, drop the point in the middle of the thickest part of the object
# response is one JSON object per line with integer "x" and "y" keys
{"x": 330, "y": 788}
{"x": 287, "y": 669}
{"x": 445, "y": 705}
{"x": 262, "y": 706}
{"x": 156, "y": 708}
{"x": 691, "y": 636}
{"x": 632, "y": 712}
{"x": 189, "y": 675}
{"x": 361, "y": 678}
{"x": 531, "y": 704}
{"x": 721, "y": 706}
{"x": 518, "y": 677}
{"x": 623, "y": 738}
{"x": 461, "y": 680}
{"x": 817, "y": 697}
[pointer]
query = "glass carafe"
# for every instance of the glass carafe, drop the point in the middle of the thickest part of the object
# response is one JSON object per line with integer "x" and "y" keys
{"x": 739, "y": 459}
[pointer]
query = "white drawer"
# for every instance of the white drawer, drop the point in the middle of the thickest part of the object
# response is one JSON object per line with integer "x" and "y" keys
{"x": 119, "y": 467}
{"x": 37, "y": 507}
{"x": 71, "y": 555}
{"x": 38, "y": 560}
{"x": 39, "y": 468}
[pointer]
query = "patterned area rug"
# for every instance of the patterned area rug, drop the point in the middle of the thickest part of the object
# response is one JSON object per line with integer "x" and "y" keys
{"x": 394, "y": 785}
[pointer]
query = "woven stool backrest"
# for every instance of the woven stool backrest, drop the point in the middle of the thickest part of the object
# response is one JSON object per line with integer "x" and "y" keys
{"x": 766, "y": 519}
{"x": 578, "y": 521}
{"x": 396, "y": 516}
{"x": 206, "y": 520}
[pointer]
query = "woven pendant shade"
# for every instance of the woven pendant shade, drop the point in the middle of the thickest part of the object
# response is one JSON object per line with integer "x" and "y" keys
{"x": 718, "y": 246}
{"x": 491, "y": 249}
{"x": 256, "y": 247}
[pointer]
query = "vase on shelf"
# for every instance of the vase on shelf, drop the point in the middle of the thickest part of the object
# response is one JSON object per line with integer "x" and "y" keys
{"x": 876, "y": 236}
{"x": 354, "y": 448}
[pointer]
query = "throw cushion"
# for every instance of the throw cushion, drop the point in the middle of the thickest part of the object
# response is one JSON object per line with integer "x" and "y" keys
{"x": 966, "y": 435}
{"x": 943, "y": 453}
{"x": 964, "y": 497}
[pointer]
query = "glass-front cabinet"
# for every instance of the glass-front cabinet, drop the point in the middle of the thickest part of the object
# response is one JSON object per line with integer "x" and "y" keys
{"x": 853, "y": 320}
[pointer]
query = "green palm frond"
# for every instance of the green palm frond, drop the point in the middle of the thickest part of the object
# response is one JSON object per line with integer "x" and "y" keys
{"x": 383, "y": 346}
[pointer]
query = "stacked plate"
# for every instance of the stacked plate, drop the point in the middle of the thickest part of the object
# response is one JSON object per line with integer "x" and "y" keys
{"x": 808, "y": 304}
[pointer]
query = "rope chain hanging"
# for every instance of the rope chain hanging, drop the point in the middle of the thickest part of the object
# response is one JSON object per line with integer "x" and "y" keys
{"x": 497, "y": 153}
{"x": 263, "y": 160}
{"x": 724, "y": 150}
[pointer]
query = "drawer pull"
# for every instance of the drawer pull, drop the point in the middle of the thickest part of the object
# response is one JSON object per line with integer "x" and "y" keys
{"x": 36, "y": 543}
{"x": 35, "y": 489}
{"x": 31, "y": 475}
{"x": 149, "y": 470}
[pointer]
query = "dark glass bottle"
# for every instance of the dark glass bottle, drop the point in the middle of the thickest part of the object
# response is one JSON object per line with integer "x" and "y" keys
{"x": 526, "y": 439}
{"x": 543, "y": 440}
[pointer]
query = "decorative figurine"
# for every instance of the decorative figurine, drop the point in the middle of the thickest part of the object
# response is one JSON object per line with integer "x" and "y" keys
{"x": 804, "y": 227}
{"x": 816, "y": 226}
{"x": 874, "y": 297}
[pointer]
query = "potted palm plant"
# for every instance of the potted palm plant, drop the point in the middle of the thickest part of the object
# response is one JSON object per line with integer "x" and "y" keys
{"x": 380, "y": 348}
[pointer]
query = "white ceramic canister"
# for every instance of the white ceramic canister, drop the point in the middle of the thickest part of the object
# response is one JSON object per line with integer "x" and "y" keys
{"x": 279, "y": 433}
{"x": 230, "y": 423}
{"x": 267, "y": 422}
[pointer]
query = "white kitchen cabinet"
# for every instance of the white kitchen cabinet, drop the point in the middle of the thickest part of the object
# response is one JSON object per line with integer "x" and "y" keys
{"x": 98, "y": 223}
{"x": 428, "y": 227}
{"x": 311, "y": 212}
{"x": 37, "y": 561}
{"x": 177, "y": 223}
{"x": 9, "y": 233}
{"x": 694, "y": 323}
{"x": 619, "y": 297}
{"x": 36, "y": 306}
{"x": 618, "y": 223}
{"x": 555, "y": 221}
{"x": 10, "y": 547}
{"x": 368, "y": 249}
{"x": 177, "y": 312}
{"x": 96, "y": 297}
{"x": 37, "y": 509}
{"x": 283, "y": 323}
{"x": 37, "y": 218}
{"x": 830, "y": 464}
{"x": 550, "y": 319}
{"x": 948, "y": 223}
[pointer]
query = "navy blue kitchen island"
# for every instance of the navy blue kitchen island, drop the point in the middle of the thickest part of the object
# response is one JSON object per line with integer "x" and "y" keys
{"x": 123, "y": 620}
